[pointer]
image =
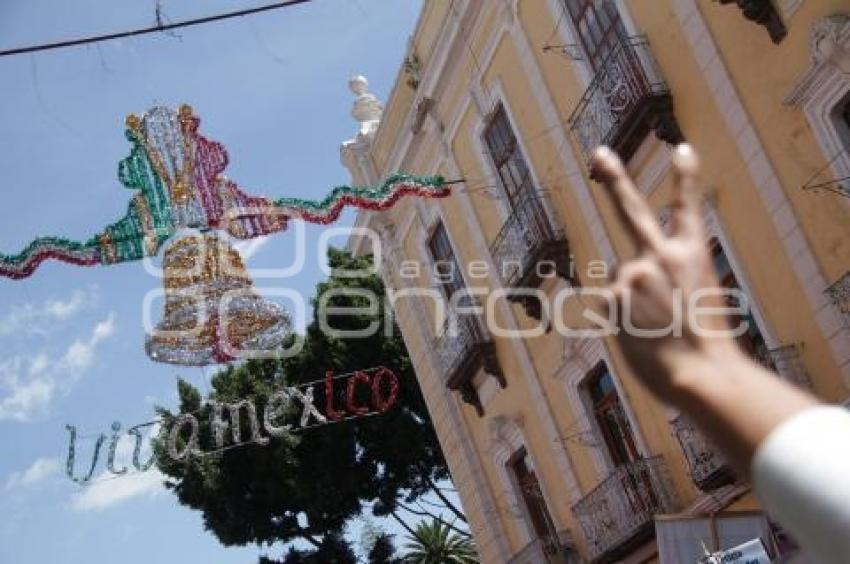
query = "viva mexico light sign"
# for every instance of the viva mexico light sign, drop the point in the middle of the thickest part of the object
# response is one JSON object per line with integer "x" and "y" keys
{"x": 288, "y": 410}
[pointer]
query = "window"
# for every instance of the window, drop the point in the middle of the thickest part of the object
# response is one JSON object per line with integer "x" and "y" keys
{"x": 514, "y": 173}
{"x": 841, "y": 121}
{"x": 823, "y": 93}
{"x": 599, "y": 28}
{"x": 844, "y": 113}
{"x": 610, "y": 416}
{"x": 508, "y": 158}
{"x": 842, "y": 127}
{"x": 532, "y": 495}
{"x": 634, "y": 480}
{"x": 752, "y": 341}
{"x": 446, "y": 267}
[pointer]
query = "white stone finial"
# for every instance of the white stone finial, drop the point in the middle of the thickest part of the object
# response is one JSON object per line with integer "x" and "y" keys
{"x": 367, "y": 109}
{"x": 358, "y": 84}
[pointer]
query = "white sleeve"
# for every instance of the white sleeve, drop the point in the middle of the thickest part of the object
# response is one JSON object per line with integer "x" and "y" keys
{"x": 801, "y": 473}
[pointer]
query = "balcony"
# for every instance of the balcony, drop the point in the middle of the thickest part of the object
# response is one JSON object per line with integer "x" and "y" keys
{"x": 463, "y": 348}
{"x": 839, "y": 294}
{"x": 617, "y": 515}
{"x": 547, "y": 551}
{"x": 527, "y": 250}
{"x": 626, "y": 99}
{"x": 707, "y": 466}
{"x": 788, "y": 363}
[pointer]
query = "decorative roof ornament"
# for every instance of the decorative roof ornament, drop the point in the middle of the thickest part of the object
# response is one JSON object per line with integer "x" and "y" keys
{"x": 367, "y": 110}
{"x": 829, "y": 50}
{"x": 829, "y": 41}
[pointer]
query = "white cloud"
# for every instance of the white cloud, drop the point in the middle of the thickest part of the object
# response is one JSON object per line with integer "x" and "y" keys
{"x": 104, "y": 329}
{"x": 80, "y": 355}
{"x": 26, "y": 400}
{"x": 38, "y": 471}
{"x": 38, "y": 364}
{"x": 251, "y": 247}
{"x": 107, "y": 490}
{"x": 28, "y": 384}
{"x": 38, "y": 318}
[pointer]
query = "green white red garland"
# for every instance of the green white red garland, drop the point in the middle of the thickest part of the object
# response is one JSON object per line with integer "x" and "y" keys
{"x": 178, "y": 178}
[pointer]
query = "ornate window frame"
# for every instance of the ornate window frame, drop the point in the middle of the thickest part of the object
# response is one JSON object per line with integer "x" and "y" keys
{"x": 824, "y": 85}
{"x": 714, "y": 230}
{"x": 581, "y": 356}
{"x": 506, "y": 439}
{"x": 569, "y": 35}
{"x": 498, "y": 98}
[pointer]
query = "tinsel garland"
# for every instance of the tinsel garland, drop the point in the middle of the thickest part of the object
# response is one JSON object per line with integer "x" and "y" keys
{"x": 351, "y": 390}
{"x": 24, "y": 263}
{"x": 378, "y": 198}
{"x": 177, "y": 176}
{"x": 384, "y": 376}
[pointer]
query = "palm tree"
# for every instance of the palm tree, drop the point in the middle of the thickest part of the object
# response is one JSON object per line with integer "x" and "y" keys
{"x": 436, "y": 543}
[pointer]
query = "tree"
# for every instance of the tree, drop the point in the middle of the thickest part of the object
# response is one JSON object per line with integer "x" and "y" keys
{"x": 333, "y": 550}
{"x": 383, "y": 551}
{"x": 308, "y": 486}
{"x": 434, "y": 542}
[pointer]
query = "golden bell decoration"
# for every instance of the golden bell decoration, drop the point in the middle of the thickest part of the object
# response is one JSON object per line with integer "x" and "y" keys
{"x": 212, "y": 313}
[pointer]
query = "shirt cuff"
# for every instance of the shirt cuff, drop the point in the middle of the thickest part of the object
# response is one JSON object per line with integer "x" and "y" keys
{"x": 801, "y": 473}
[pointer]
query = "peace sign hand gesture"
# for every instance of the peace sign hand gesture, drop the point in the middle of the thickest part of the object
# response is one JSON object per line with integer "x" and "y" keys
{"x": 667, "y": 287}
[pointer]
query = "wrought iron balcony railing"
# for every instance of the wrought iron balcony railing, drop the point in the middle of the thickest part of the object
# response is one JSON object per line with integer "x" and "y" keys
{"x": 547, "y": 551}
{"x": 626, "y": 99}
{"x": 788, "y": 362}
{"x": 708, "y": 468}
{"x": 839, "y": 295}
{"x": 617, "y": 515}
{"x": 463, "y": 348}
{"x": 528, "y": 249}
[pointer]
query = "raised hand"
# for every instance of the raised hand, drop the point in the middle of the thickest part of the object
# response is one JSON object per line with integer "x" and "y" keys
{"x": 663, "y": 291}
{"x": 673, "y": 319}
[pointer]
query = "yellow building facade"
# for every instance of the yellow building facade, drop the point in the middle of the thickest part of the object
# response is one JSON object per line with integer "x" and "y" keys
{"x": 559, "y": 455}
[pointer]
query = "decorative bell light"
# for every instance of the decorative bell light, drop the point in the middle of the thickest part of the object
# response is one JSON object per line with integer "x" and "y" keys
{"x": 212, "y": 313}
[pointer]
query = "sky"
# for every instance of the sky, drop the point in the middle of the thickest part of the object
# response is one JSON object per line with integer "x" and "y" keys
{"x": 273, "y": 89}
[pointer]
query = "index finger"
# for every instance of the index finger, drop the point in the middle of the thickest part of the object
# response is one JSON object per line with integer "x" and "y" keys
{"x": 687, "y": 220}
{"x": 632, "y": 207}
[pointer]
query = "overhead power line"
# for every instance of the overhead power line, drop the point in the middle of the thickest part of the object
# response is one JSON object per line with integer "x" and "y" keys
{"x": 160, "y": 27}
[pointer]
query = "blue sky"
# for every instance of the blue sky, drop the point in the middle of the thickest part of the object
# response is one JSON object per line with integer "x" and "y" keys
{"x": 272, "y": 88}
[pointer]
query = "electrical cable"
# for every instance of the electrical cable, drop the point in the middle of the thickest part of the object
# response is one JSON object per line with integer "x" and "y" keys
{"x": 160, "y": 27}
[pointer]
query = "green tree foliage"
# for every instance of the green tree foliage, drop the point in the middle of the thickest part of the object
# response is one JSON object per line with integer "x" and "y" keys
{"x": 308, "y": 486}
{"x": 434, "y": 542}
